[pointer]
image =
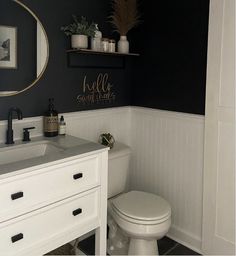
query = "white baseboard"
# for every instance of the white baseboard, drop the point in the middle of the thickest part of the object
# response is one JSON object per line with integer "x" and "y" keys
{"x": 175, "y": 234}
{"x": 186, "y": 239}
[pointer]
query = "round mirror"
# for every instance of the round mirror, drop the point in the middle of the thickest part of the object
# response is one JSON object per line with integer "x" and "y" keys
{"x": 24, "y": 48}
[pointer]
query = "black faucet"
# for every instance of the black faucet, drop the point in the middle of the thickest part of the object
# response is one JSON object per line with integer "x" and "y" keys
{"x": 9, "y": 138}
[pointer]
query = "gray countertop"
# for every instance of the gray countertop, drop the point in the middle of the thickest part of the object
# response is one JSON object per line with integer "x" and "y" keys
{"x": 69, "y": 147}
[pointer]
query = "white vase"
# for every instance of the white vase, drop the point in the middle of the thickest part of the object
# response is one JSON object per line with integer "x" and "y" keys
{"x": 123, "y": 45}
{"x": 79, "y": 41}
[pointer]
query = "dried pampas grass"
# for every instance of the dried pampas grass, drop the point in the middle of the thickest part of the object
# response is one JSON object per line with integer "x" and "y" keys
{"x": 125, "y": 16}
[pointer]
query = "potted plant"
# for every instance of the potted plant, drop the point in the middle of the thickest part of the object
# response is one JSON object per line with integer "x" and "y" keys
{"x": 80, "y": 30}
{"x": 124, "y": 17}
{"x": 106, "y": 139}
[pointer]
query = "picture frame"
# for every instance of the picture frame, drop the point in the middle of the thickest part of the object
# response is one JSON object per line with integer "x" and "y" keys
{"x": 8, "y": 47}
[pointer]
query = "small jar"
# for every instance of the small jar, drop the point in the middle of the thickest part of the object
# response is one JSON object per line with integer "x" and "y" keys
{"x": 105, "y": 44}
{"x": 112, "y": 45}
{"x": 96, "y": 40}
{"x": 96, "y": 44}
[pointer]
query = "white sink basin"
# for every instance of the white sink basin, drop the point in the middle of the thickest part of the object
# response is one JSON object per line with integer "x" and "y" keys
{"x": 11, "y": 154}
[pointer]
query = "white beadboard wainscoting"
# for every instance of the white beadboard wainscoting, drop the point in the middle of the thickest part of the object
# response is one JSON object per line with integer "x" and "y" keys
{"x": 18, "y": 125}
{"x": 90, "y": 124}
{"x": 168, "y": 160}
{"x": 85, "y": 124}
{"x": 167, "y": 156}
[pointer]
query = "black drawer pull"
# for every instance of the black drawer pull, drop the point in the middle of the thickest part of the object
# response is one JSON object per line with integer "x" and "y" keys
{"x": 17, "y": 237}
{"x": 77, "y": 212}
{"x": 78, "y": 176}
{"x": 17, "y": 195}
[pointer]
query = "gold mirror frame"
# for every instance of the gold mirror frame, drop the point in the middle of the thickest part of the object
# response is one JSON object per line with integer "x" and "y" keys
{"x": 47, "y": 52}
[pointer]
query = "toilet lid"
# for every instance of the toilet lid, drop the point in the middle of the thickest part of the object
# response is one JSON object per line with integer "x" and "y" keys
{"x": 142, "y": 206}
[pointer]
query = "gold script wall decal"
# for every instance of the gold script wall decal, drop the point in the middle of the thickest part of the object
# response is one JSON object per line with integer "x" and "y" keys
{"x": 99, "y": 91}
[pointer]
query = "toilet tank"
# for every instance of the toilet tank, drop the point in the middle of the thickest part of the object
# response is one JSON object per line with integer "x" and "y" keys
{"x": 118, "y": 167}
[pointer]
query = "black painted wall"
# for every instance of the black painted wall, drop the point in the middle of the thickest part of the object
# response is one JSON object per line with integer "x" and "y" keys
{"x": 170, "y": 74}
{"x": 59, "y": 81}
{"x": 172, "y": 68}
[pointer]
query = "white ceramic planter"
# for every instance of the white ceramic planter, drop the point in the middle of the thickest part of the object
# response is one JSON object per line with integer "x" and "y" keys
{"x": 123, "y": 45}
{"x": 79, "y": 41}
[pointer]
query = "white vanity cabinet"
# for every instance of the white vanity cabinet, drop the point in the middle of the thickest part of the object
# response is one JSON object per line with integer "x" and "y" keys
{"x": 45, "y": 206}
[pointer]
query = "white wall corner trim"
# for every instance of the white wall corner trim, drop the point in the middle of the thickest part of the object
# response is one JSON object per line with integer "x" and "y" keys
{"x": 218, "y": 235}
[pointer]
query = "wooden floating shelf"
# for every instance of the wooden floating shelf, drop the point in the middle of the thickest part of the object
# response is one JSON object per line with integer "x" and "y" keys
{"x": 88, "y": 51}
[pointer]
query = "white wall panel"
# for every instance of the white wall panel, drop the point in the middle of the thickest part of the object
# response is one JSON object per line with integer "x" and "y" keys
{"x": 18, "y": 126}
{"x": 225, "y": 191}
{"x": 90, "y": 124}
{"x": 168, "y": 160}
{"x": 86, "y": 124}
{"x": 227, "y": 75}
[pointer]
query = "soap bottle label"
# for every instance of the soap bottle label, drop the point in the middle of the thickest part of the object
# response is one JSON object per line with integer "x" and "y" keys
{"x": 62, "y": 129}
{"x": 50, "y": 124}
{"x": 62, "y": 126}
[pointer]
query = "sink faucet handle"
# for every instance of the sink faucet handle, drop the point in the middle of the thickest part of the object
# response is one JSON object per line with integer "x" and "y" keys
{"x": 26, "y": 133}
{"x": 29, "y": 128}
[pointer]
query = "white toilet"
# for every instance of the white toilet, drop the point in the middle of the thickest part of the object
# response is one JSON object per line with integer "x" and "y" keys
{"x": 143, "y": 217}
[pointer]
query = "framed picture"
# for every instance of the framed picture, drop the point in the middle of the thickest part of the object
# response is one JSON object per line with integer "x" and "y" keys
{"x": 8, "y": 49}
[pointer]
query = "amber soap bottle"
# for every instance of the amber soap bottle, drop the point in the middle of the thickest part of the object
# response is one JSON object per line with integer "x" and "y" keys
{"x": 50, "y": 120}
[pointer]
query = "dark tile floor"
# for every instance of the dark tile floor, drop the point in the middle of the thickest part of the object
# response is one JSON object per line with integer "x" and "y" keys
{"x": 166, "y": 246}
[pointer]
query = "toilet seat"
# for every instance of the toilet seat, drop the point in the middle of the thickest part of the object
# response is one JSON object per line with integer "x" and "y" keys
{"x": 141, "y": 208}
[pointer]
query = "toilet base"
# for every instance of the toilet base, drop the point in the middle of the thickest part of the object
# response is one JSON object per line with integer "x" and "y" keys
{"x": 143, "y": 247}
{"x": 117, "y": 242}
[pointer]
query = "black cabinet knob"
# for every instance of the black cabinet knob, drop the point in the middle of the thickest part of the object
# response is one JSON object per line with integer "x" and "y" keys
{"x": 78, "y": 176}
{"x": 77, "y": 212}
{"x": 17, "y": 237}
{"x": 17, "y": 195}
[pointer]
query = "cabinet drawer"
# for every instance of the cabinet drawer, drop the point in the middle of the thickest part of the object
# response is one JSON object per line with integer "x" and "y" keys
{"x": 38, "y": 227}
{"x": 41, "y": 187}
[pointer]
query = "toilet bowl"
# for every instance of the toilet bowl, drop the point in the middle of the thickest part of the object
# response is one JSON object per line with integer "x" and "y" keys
{"x": 144, "y": 217}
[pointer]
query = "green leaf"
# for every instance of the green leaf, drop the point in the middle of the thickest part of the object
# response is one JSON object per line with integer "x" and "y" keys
{"x": 80, "y": 27}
